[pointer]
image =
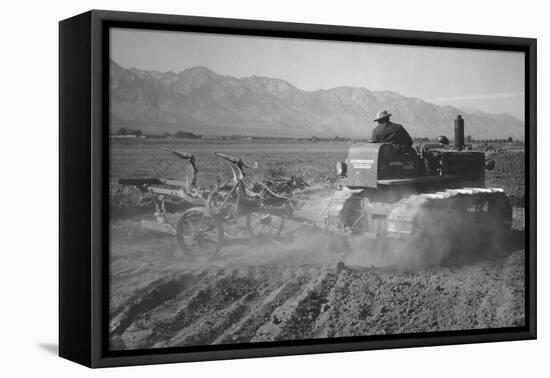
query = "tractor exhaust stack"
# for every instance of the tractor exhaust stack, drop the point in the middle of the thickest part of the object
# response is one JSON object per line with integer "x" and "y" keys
{"x": 459, "y": 132}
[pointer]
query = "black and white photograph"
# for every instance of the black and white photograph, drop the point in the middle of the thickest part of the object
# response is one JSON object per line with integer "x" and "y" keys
{"x": 266, "y": 189}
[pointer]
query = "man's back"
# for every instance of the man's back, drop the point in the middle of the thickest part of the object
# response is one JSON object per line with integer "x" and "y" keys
{"x": 390, "y": 132}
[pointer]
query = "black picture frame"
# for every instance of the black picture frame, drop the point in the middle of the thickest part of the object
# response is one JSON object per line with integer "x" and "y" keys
{"x": 84, "y": 165}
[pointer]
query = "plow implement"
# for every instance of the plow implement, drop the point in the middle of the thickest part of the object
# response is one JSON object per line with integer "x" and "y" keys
{"x": 212, "y": 218}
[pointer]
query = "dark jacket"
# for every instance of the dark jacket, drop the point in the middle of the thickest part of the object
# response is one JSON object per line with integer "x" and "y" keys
{"x": 390, "y": 132}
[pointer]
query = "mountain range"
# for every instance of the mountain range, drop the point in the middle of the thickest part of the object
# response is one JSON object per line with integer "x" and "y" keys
{"x": 201, "y": 101}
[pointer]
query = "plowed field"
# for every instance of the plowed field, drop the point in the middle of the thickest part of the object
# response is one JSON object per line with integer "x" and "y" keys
{"x": 291, "y": 289}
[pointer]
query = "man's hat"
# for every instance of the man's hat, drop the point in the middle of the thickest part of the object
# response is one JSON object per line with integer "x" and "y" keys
{"x": 382, "y": 114}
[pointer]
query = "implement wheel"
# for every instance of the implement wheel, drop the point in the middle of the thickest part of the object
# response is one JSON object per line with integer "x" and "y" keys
{"x": 264, "y": 225}
{"x": 198, "y": 234}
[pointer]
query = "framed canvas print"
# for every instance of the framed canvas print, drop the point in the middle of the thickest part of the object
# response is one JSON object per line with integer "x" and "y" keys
{"x": 234, "y": 188}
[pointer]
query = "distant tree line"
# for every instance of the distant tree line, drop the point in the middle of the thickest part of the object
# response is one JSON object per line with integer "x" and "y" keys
{"x": 186, "y": 134}
{"x": 469, "y": 139}
{"x": 127, "y": 131}
{"x": 494, "y": 141}
{"x": 341, "y": 139}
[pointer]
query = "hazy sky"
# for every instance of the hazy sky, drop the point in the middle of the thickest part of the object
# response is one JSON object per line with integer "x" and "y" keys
{"x": 491, "y": 81}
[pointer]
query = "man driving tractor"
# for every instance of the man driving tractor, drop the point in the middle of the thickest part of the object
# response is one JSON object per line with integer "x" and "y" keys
{"x": 389, "y": 132}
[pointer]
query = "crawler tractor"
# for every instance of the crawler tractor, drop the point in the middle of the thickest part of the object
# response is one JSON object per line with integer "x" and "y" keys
{"x": 430, "y": 201}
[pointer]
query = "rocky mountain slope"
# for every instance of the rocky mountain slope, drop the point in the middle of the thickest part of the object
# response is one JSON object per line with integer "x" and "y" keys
{"x": 200, "y": 100}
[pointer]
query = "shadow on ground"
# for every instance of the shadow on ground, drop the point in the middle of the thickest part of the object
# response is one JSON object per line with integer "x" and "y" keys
{"x": 51, "y": 348}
